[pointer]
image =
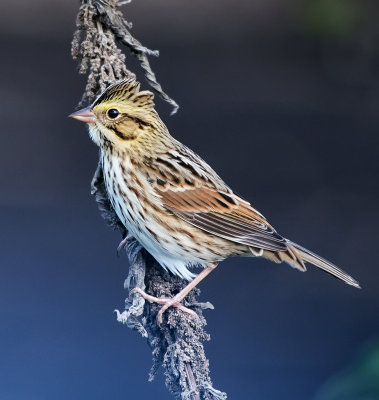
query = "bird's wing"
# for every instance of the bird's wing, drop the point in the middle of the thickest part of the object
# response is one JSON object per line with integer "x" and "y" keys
{"x": 191, "y": 190}
{"x": 222, "y": 214}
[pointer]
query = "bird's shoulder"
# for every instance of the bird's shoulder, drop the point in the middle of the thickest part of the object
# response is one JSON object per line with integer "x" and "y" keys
{"x": 180, "y": 168}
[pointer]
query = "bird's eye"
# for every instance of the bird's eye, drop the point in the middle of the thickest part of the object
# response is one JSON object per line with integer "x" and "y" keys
{"x": 113, "y": 113}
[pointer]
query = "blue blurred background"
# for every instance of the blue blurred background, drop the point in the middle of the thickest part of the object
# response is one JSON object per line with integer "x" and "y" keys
{"x": 282, "y": 98}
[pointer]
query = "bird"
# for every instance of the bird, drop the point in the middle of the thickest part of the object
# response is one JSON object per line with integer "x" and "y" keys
{"x": 172, "y": 201}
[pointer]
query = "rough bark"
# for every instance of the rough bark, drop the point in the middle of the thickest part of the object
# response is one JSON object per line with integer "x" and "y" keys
{"x": 177, "y": 345}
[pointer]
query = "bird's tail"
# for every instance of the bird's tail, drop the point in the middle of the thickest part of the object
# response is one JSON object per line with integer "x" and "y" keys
{"x": 296, "y": 256}
{"x": 308, "y": 256}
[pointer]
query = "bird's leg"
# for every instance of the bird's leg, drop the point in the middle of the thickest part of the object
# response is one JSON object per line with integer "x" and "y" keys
{"x": 175, "y": 301}
{"x": 183, "y": 293}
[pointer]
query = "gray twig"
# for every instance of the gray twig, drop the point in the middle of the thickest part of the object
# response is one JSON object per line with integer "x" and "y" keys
{"x": 177, "y": 345}
{"x": 99, "y": 23}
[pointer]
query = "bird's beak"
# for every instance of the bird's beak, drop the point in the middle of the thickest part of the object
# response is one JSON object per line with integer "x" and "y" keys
{"x": 84, "y": 115}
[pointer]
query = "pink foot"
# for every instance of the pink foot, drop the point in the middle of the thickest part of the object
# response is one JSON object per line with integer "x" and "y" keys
{"x": 167, "y": 303}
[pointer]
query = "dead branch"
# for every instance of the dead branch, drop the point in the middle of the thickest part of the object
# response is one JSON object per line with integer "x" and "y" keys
{"x": 177, "y": 345}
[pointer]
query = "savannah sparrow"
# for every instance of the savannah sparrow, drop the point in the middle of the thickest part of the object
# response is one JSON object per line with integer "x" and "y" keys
{"x": 172, "y": 201}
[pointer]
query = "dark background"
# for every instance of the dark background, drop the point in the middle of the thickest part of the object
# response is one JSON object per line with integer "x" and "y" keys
{"x": 282, "y": 99}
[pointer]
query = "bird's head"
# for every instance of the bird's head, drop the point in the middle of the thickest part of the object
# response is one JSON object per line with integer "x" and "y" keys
{"x": 120, "y": 115}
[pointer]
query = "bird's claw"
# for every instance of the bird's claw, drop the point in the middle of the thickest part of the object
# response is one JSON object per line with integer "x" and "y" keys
{"x": 121, "y": 246}
{"x": 167, "y": 303}
{"x": 172, "y": 303}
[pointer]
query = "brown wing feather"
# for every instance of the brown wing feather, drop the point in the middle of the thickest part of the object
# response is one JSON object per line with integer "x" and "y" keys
{"x": 222, "y": 214}
{"x": 191, "y": 190}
